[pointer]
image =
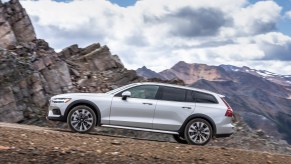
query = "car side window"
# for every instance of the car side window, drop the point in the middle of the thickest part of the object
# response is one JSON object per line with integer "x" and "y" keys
{"x": 173, "y": 94}
{"x": 200, "y": 97}
{"x": 190, "y": 96}
{"x": 142, "y": 92}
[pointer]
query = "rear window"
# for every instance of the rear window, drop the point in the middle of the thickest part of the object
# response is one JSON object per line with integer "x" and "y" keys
{"x": 173, "y": 94}
{"x": 183, "y": 95}
{"x": 200, "y": 97}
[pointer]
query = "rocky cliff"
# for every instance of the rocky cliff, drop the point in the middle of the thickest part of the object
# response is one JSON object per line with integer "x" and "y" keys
{"x": 31, "y": 71}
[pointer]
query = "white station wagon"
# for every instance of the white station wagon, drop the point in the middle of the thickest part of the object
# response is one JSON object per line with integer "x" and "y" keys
{"x": 192, "y": 115}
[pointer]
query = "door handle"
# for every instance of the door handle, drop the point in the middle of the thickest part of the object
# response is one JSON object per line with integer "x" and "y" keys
{"x": 186, "y": 107}
{"x": 147, "y": 103}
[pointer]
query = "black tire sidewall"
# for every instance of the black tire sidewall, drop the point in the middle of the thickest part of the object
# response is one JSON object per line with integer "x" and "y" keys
{"x": 187, "y": 137}
{"x": 179, "y": 139}
{"x": 77, "y": 108}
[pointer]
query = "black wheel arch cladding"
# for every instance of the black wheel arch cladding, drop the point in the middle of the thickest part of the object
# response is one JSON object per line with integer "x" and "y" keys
{"x": 86, "y": 103}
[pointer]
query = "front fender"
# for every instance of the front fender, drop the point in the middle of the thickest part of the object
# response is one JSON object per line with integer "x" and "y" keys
{"x": 87, "y": 103}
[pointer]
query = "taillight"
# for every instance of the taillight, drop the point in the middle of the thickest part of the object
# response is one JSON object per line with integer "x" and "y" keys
{"x": 229, "y": 111}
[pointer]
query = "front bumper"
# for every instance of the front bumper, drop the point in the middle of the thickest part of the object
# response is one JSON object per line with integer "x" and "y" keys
{"x": 60, "y": 118}
{"x": 56, "y": 112}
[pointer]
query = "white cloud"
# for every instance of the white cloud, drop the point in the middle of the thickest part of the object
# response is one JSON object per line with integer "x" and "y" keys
{"x": 257, "y": 18}
{"x": 288, "y": 14}
{"x": 158, "y": 34}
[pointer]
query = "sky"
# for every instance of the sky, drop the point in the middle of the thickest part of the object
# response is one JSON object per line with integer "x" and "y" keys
{"x": 159, "y": 33}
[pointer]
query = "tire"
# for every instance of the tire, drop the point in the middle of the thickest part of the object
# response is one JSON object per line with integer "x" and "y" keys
{"x": 81, "y": 119}
{"x": 179, "y": 139}
{"x": 198, "y": 132}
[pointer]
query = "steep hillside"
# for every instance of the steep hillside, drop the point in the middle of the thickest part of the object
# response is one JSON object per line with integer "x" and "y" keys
{"x": 22, "y": 144}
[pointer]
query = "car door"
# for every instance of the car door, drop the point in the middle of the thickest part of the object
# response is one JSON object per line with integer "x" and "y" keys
{"x": 172, "y": 108}
{"x": 137, "y": 110}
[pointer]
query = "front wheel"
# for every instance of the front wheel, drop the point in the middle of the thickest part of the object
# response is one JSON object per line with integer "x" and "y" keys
{"x": 81, "y": 119}
{"x": 198, "y": 132}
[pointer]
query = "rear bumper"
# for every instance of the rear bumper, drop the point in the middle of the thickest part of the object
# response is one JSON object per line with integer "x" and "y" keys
{"x": 225, "y": 129}
{"x": 223, "y": 135}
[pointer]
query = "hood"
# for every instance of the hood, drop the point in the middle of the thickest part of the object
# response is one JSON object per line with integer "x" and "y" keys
{"x": 71, "y": 95}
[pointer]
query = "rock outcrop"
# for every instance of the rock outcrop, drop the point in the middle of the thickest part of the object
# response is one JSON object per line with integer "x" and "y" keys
{"x": 94, "y": 69}
{"x": 30, "y": 73}
{"x": 15, "y": 25}
{"x": 7, "y": 36}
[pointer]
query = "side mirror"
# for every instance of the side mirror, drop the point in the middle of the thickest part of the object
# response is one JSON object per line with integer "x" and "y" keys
{"x": 125, "y": 95}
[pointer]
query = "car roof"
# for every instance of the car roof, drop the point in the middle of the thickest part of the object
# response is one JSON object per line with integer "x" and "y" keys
{"x": 179, "y": 86}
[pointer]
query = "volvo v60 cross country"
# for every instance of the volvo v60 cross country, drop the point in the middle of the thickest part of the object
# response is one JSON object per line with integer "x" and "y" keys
{"x": 192, "y": 115}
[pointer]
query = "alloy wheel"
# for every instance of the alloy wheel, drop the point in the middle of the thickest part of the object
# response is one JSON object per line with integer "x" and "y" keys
{"x": 199, "y": 132}
{"x": 82, "y": 119}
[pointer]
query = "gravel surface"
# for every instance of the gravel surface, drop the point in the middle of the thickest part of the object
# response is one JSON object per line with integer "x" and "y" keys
{"x": 32, "y": 144}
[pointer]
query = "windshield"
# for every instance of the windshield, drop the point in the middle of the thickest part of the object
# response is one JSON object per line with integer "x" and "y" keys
{"x": 121, "y": 88}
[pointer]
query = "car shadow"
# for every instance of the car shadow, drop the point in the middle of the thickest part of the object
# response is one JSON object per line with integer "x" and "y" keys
{"x": 119, "y": 133}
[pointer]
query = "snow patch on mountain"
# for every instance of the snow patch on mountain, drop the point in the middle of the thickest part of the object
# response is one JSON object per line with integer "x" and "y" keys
{"x": 273, "y": 77}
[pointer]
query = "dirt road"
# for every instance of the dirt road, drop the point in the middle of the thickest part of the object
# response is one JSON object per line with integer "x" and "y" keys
{"x": 32, "y": 144}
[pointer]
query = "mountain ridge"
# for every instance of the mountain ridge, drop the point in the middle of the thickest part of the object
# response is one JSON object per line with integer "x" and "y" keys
{"x": 147, "y": 73}
{"x": 228, "y": 68}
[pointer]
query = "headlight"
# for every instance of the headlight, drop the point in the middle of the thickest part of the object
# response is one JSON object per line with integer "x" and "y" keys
{"x": 61, "y": 100}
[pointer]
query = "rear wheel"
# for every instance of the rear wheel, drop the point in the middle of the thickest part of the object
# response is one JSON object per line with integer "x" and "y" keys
{"x": 81, "y": 119}
{"x": 198, "y": 132}
{"x": 179, "y": 139}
